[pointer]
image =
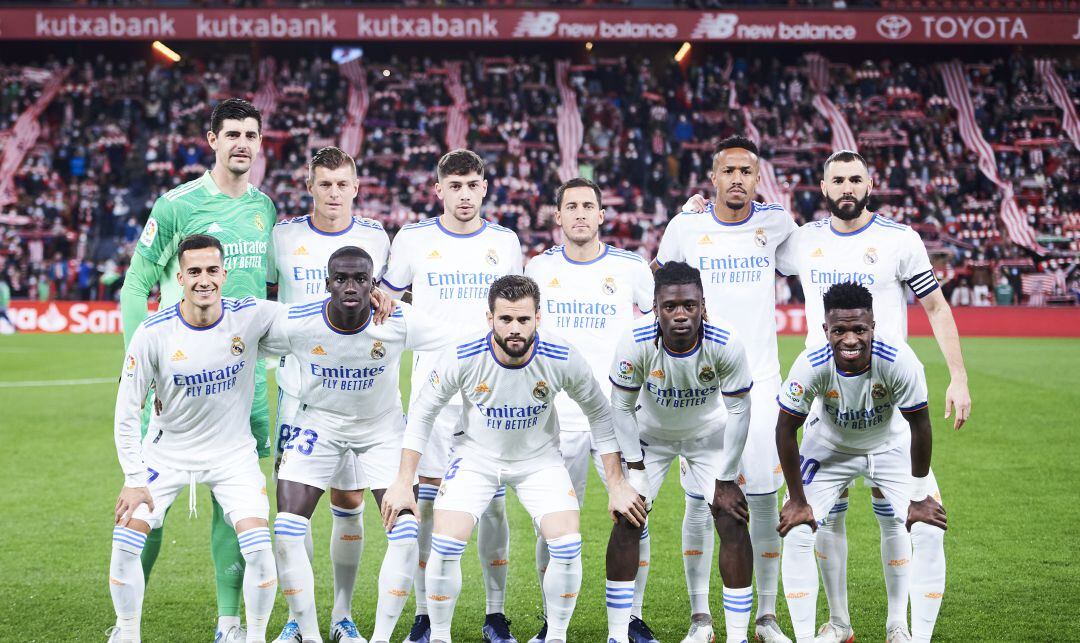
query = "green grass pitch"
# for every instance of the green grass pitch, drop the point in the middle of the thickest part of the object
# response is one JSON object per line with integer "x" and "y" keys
{"x": 1008, "y": 479}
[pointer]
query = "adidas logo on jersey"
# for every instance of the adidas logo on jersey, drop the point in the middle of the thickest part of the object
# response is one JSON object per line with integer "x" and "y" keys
{"x": 704, "y": 240}
{"x": 318, "y": 350}
{"x": 178, "y": 355}
{"x": 214, "y": 227}
{"x": 301, "y": 251}
{"x": 554, "y": 283}
{"x": 658, "y": 373}
{"x": 482, "y": 388}
{"x": 434, "y": 255}
{"x": 817, "y": 254}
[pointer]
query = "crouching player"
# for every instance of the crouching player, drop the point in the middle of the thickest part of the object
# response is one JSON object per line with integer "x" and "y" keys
{"x": 350, "y": 415}
{"x": 694, "y": 373}
{"x": 509, "y": 377}
{"x": 860, "y": 380}
{"x": 199, "y": 355}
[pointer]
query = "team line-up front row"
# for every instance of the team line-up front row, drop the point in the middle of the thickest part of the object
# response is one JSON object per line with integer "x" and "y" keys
{"x": 681, "y": 385}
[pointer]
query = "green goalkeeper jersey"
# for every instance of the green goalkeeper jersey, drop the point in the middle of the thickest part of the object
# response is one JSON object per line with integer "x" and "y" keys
{"x": 242, "y": 224}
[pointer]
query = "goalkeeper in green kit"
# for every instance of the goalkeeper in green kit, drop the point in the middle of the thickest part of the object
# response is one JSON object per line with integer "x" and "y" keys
{"x": 220, "y": 203}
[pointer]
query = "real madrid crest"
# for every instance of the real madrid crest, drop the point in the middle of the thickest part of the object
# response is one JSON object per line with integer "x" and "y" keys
{"x": 877, "y": 391}
{"x": 540, "y": 391}
{"x": 259, "y": 222}
{"x": 760, "y": 238}
{"x": 609, "y": 286}
{"x": 870, "y": 257}
{"x": 706, "y": 374}
{"x": 237, "y": 346}
{"x": 377, "y": 350}
{"x": 492, "y": 257}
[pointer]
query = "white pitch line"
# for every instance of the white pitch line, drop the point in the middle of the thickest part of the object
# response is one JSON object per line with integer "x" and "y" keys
{"x": 44, "y": 383}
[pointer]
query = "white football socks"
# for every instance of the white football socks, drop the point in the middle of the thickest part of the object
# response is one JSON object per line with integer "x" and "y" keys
{"x": 927, "y": 578}
{"x": 346, "y": 548}
{"x": 396, "y": 575}
{"x": 425, "y": 504}
{"x": 620, "y": 601}
{"x": 895, "y": 559}
{"x": 642, "y": 577}
{"x": 260, "y": 581}
{"x": 562, "y": 583}
{"x": 126, "y": 582}
{"x": 294, "y": 569}
{"x": 697, "y": 544}
{"x": 764, "y": 517}
{"x": 737, "y": 605}
{"x": 800, "y": 581}
{"x": 831, "y": 548}
{"x": 493, "y": 548}
{"x": 443, "y": 583}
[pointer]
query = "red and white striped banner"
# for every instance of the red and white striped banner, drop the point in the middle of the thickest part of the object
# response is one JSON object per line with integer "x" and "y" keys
{"x": 769, "y": 188}
{"x": 956, "y": 87}
{"x": 24, "y": 135}
{"x": 570, "y": 130}
{"x": 818, "y": 71}
{"x": 352, "y": 135}
{"x": 457, "y": 123}
{"x": 265, "y": 100}
{"x": 1057, "y": 91}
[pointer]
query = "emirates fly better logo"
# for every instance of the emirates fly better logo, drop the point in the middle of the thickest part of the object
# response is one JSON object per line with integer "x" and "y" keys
{"x": 893, "y": 27}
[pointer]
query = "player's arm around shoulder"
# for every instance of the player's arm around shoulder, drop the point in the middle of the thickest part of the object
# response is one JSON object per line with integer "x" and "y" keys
{"x": 275, "y": 325}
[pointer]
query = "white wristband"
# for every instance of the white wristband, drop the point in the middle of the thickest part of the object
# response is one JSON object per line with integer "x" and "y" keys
{"x": 920, "y": 488}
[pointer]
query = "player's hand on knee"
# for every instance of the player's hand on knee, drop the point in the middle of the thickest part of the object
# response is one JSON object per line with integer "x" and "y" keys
{"x": 695, "y": 203}
{"x": 398, "y": 498}
{"x": 927, "y": 510}
{"x": 624, "y": 500}
{"x": 383, "y": 303}
{"x": 129, "y": 500}
{"x": 728, "y": 500}
{"x": 639, "y": 480}
{"x": 795, "y": 513}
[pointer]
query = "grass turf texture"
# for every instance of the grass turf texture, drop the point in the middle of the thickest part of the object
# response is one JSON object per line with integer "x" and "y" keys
{"x": 1007, "y": 481}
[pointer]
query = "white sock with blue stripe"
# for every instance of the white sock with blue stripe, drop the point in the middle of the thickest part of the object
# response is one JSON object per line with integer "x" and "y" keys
{"x": 346, "y": 548}
{"x": 425, "y": 504}
{"x": 697, "y": 547}
{"x": 620, "y": 600}
{"x": 294, "y": 569}
{"x": 396, "y": 575}
{"x": 443, "y": 579}
{"x": 126, "y": 582}
{"x": 562, "y": 582}
{"x": 895, "y": 561}
{"x": 260, "y": 580}
{"x": 737, "y": 606}
{"x": 493, "y": 548}
{"x": 831, "y": 548}
{"x": 642, "y": 577}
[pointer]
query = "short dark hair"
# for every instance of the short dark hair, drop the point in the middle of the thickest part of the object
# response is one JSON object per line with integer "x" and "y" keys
{"x": 198, "y": 242}
{"x": 733, "y": 142}
{"x": 349, "y": 251}
{"x": 844, "y": 156}
{"x": 579, "y": 182}
{"x": 513, "y": 288}
{"x": 460, "y": 163}
{"x": 331, "y": 158}
{"x": 676, "y": 273}
{"x": 847, "y": 295}
{"x": 235, "y": 108}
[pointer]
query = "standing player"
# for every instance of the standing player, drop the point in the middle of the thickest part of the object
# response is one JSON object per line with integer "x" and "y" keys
{"x": 302, "y": 247}
{"x": 220, "y": 203}
{"x": 733, "y": 242}
{"x": 199, "y": 355}
{"x": 861, "y": 378}
{"x": 687, "y": 366}
{"x": 449, "y": 262}
{"x": 588, "y": 293}
{"x": 859, "y": 246}
{"x": 509, "y": 376}
{"x": 349, "y": 418}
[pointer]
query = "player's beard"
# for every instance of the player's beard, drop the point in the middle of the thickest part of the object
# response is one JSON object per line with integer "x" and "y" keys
{"x": 514, "y": 353}
{"x": 841, "y": 212}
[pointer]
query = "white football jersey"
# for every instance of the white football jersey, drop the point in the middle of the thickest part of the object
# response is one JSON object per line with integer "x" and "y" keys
{"x": 737, "y": 263}
{"x": 351, "y": 375}
{"x": 856, "y": 409}
{"x": 883, "y": 256}
{"x": 449, "y": 275}
{"x": 300, "y": 254}
{"x": 204, "y": 382}
{"x": 684, "y": 392}
{"x": 508, "y": 411}
{"x": 590, "y": 304}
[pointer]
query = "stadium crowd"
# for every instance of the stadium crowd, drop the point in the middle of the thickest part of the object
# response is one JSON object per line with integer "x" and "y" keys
{"x": 119, "y": 133}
